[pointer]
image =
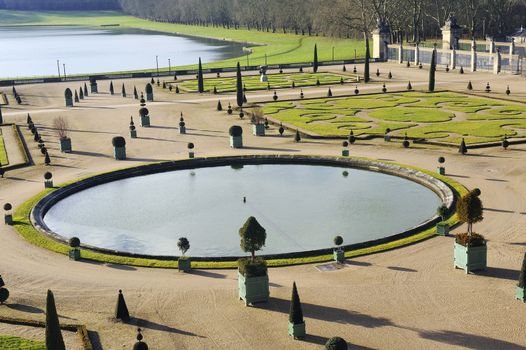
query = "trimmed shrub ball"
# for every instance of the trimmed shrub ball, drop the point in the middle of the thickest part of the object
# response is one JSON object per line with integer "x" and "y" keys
{"x": 235, "y": 130}
{"x": 441, "y": 160}
{"x": 190, "y": 145}
{"x": 345, "y": 144}
{"x": 48, "y": 175}
{"x": 405, "y": 144}
{"x": 118, "y": 141}
{"x": 74, "y": 242}
{"x": 476, "y": 192}
{"x": 4, "y": 295}
{"x": 338, "y": 240}
{"x": 8, "y": 206}
{"x": 336, "y": 343}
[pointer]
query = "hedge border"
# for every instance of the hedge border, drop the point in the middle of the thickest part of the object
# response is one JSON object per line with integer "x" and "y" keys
{"x": 25, "y": 227}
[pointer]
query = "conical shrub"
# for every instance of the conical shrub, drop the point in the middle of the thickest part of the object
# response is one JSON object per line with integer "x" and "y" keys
{"x": 121, "y": 311}
{"x": 295, "y": 312}
{"x": 54, "y": 340}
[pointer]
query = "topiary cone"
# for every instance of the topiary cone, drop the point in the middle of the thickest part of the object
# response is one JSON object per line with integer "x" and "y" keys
{"x": 297, "y": 137}
{"x": 54, "y": 338}
{"x": 219, "y": 106}
{"x": 470, "y": 86}
{"x": 121, "y": 311}
{"x": 463, "y": 148}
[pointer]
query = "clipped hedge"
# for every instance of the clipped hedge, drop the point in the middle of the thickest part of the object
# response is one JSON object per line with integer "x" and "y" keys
{"x": 252, "y": 268}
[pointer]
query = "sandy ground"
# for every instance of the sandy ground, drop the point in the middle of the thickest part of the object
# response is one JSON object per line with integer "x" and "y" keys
{"x": 409, "y": 298}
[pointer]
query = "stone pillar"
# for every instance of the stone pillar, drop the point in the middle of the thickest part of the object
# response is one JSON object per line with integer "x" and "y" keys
{"x": 381, "y": 38}
{"x": 417, "y": 54}
{"x": 492, "y": 46}
{"x": 401, "y": 53}
{"x": 497, "y": 62}
{"x": 453, "y": 59}
{"x": 473, "y": 56}
{"x": 451, "y": 33}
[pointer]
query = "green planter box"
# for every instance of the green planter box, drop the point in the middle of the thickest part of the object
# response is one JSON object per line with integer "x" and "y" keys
{"x": 119, "y": 153}
{"x": 145, "y": 121}
{"x": 297, "y": 330}
{"x": 94, "y": 88}
{"x": 258, "y": 129}
{"x": 65, "y": 145}
{"x": 133, "y": 134}
{"x": 69, "y": 102}
{"x": 470, "y": 258}
{"x": 149, "y": 97}
{"x": 387, "y": 138}
{"x": 236, "y": 141}
{"x": 345, "y": 152}
{"x": 191, "y": 155}
{"x": 519, "y": 294}
{"x": 339, "y": 255}
{"x": 442, "y": 229}
{"x": 48, "y": 183}
{"x": 74, "y": 254}
{"x": 441, "y": 170}
{"x": 253, "y": 289}
{"x": 182, "y": 130}
{"x": 8, "y": 219}
{"x": 184, "y": 265}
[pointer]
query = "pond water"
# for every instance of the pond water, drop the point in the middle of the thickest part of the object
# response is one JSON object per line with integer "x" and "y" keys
{"x": 301, "y": 207}
{"x": 34, "y": 51}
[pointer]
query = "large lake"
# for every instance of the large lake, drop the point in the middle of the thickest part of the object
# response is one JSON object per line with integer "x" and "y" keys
{"x": 302, "y": 208}
{"x": 34, "y": 51}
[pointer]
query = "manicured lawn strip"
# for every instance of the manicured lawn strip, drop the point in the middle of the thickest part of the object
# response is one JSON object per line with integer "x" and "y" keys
{"x": 4, "y": 160}
{"x": 24, "y": 227}
{"x": 415, "y": 115}
{"x": 279, "y": 48}
{"x": 16, "y": 343}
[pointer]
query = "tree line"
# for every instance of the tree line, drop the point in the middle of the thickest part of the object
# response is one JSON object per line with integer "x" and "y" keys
{"x": 409, "y": 20}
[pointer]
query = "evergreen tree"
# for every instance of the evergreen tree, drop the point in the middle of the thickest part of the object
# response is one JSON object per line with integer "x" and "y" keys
{"x": 54, "y": 340}
{"x": 295, "y": 312}
{"x": 200, "y": 81}
{"x": 123, "y": 91}
{"x": 219, "y": 106}
{"x": 111, "y": 88}
{"x": 463, "y": 148}
{"x": 315, "y": 61}
{"x": 366, "y": 76}
{"x": 239, "y": 86}
{"x": 121, "y": 310}
{"x": 47, "y": 160}
{"x": 432, "y": 70}
{"x": 253, "y": 236}
{"x": 297, "y": 137}
{"x": 85, "y": 90}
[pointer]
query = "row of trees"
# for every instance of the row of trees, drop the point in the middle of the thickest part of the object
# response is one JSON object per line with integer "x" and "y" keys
{"x": 59, "y": 5}
{"x": 412, "y": 20}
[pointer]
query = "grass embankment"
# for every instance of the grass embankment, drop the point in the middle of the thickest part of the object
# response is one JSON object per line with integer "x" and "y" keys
{"x": 275, "y": 81}
{"x": 15, "y": 343}
{"x": 278, "y": 47}
{"x": 3, "y": 154}
{"x": 24, "y": 227}
{"x": 444, "y": 116}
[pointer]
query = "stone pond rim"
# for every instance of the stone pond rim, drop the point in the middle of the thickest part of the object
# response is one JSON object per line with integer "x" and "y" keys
{"x": 444, "y": 192}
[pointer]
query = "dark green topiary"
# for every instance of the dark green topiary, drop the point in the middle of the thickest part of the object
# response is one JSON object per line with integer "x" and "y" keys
{"x": 253, "y": 236}
{"x": 463, "y": 148}
{"x": 315, "y": 61}
{"x": 409, "y": 86}
{"x": 118, "y": 141}
{"x": 469, "y": 209}
{"x": 219, "y": 106}
{"x": 183, "y": 244}
{"x": 140, "y": 345}
{"x": 295, "y": 311}
{"x": 123, "y": 91}
{"x": 190, "y": 145}
{"x": 252, "y": 268}
{"x": 470, "y": 86}
{"x": 48, "y": 175}
{"x": 432, "y": 70}
{"x": 121, "y": 310}
{"x": 112, "y": 91}
{"x": 54, "y": 338}
{"x": 74, "y": 242}
{"x": 338, "y": 240}
{"x": 47, "y": 159}
{"x": 336, "y": 343}
{"x": 281, "y": 129}
{"x": 522, "y": 276}
{"x": 200, "y": 81}
{"x": 8, "y": 206}
{"x": 329, "y": 93}
{"x": 4, "y": 295}
{"x": 297, "y": 137}
{"x": 235, "y": 130}
{"x": 1, "y": 282}
{"x": 366, "y": 76}
{"x": 441, "y": 160}
{"x": 442, "y": 211}
{"x": 239, "y": 86}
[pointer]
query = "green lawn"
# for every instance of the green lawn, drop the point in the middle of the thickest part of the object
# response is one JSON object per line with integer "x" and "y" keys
{"x": 444, "y": 116}
{"x": 15, "y": 343}
{"x": 3, "y": 154}
{"x": 275, "y": 81}
{"x": 280, "y": 48}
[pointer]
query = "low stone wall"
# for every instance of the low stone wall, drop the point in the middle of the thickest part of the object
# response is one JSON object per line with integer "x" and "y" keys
{"x": 440, "y": 188}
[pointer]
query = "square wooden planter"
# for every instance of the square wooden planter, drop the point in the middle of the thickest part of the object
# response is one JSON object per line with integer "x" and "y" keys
{"x": 74, "y": 254}
{"x": 253, "y": 289}
{"x": 236, "y": 141}
{"x": 297, "y": 330}
{"x": 94, "y": 88}
{"x": 145, "y": 121}
{"x": 191, "y": 155}
{"x": 441, "y": 170}
{"x": 182, "y": 130}
{"x": 258, "y": 129}
{"x": 339, "y": 255}
{"x": 133, "y": 134}
{"x": 149, "y": 97}
{"x": 470, "y": 258}
{"x": 184, "y": 265}
{"x": 345, "y": 152}
{"x": 8, "y": 219}
{"x": 65, "y": 145}
{"x": 119, "y": 153}
{"x": 519, "y": 294}
{"x": 48, "y": 183}
{"x": 442, "y": 229}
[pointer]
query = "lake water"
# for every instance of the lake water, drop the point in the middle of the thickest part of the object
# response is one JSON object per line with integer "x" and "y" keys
{"x": 34, "y": 51}
{"x": 301, "y": 207}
